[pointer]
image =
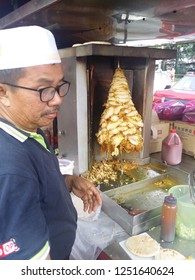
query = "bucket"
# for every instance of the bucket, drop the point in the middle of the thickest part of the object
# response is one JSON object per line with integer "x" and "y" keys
{"x": 185, "y": 217}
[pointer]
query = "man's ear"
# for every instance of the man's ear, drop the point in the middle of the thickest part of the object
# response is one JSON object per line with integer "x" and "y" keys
{"x": 4, "y": 99}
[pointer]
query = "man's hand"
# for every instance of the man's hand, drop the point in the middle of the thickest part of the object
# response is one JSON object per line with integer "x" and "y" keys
{"x": 85, "y": 190}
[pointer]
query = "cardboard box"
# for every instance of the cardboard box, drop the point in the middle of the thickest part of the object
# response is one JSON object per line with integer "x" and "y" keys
{"x": 158, "y": 132}
{"x": 186, "y": 132}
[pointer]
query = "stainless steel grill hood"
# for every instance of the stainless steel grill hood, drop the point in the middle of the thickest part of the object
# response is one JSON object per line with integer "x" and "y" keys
{"x": 124, "y": 21}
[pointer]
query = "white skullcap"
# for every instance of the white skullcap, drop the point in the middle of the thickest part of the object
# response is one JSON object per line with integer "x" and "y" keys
{"x": 27, "y": 46}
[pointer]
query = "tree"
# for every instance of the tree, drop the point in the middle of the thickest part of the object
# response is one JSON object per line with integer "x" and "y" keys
{"x": 185, "y": 57}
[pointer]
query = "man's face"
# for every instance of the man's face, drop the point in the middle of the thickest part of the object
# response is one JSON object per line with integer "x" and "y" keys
{"x": 25, "y": 109}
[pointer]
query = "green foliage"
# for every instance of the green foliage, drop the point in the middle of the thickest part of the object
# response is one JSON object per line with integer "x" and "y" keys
{"x": 185, "y": 57}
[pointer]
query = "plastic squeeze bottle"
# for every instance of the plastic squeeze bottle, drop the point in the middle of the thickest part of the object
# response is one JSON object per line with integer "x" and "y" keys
{"x": 168, "y": 218}
{"x": 172, "y": 148}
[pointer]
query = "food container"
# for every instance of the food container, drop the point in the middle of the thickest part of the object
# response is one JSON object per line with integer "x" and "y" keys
{"x": 185, "y": 217}
{"x": 146, "y": 195}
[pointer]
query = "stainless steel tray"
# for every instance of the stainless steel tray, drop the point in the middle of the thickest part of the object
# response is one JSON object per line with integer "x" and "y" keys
{"x": 147, "y": 194}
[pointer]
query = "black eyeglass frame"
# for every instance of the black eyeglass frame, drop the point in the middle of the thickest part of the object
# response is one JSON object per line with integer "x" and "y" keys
{"x": 57, "y": 89}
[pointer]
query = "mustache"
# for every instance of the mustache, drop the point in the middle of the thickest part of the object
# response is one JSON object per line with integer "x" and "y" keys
{"x": 50, "y": 111}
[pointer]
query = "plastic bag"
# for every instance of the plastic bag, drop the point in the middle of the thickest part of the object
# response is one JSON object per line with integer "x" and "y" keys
{"x": 94, "y": 236}
{"x": 189, "y": 112}
{"x": 82, "y": 249}
{"x": 85, "y": 216}
{"x": 170, "y": 110}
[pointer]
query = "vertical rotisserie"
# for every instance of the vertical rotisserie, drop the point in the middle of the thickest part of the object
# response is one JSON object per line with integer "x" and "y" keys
{"x": 120, "y": 124}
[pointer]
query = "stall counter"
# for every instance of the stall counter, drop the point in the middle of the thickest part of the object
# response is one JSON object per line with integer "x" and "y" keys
{"x": 186, "y": 247}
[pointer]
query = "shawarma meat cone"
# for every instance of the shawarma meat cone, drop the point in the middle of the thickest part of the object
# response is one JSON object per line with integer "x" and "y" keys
{"x": 120, "y": 124}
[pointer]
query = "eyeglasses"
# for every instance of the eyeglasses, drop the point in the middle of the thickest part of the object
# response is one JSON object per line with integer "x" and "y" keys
{"x": 47, "y": 93}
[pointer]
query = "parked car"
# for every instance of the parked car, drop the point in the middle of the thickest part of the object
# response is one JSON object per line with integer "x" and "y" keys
{"x": 183, "y": 90}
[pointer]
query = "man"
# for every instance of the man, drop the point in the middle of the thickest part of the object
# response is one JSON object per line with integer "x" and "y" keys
{"x": 37, "y": 217}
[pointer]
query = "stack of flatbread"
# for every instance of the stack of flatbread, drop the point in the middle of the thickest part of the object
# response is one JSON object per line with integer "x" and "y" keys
{"x": 120, "y": 124}
{"x": 142, "y": 245}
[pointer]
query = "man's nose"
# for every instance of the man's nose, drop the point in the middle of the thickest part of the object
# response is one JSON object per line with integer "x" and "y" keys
{"x": 57, "y": 99}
